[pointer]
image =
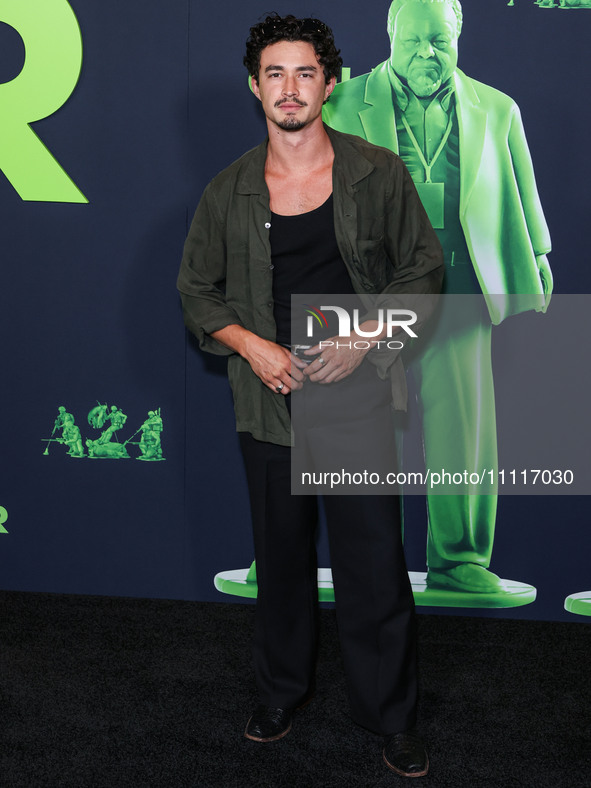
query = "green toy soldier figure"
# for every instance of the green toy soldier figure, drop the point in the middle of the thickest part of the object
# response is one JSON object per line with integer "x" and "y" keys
{"x": 150, "y": 442}
{"x": 72, "y": 438}
{"x": 70, "y": 434}
{"x": 62, "y": 418}
{"x": 117, "y": 419}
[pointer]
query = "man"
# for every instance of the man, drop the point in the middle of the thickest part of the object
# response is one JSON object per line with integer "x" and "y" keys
{"x": 299, "y": 213}
{"x": 464, "y": 145}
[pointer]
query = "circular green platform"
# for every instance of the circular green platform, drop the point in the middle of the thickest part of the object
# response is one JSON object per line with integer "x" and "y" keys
{"x": 514, "y": 594}
{"x": 579, "y": 603}
{"x": 242, "y": 582}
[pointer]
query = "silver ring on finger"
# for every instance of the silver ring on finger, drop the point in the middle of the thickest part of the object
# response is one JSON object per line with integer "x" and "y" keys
{"x": 321, "y": 361}
{"x": 279, "y": 388}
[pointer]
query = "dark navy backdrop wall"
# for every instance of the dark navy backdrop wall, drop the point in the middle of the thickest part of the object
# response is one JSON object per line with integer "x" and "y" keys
{"x": 89, "y": 313}
{"x": 89, "y": 309}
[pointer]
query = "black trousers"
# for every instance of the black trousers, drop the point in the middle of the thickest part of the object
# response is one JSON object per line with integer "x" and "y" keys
{"x": 374, "y": 602}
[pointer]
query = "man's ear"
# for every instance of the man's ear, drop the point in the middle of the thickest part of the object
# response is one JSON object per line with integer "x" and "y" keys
{"x": 330, "y": 87}
{"x": 254, "y": 86}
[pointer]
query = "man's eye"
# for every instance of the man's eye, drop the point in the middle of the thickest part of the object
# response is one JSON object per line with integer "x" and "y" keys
{"x": 441, "y": 43}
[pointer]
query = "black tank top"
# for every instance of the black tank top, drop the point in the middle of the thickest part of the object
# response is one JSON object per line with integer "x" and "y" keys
{"x": 306, "y": 259}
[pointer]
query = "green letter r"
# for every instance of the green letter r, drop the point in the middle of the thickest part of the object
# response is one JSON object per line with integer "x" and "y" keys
{"x": 53, "y": 58}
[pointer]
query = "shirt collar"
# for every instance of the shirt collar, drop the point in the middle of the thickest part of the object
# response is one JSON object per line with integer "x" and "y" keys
{"x": 404, "y": 94}
{"x": 347, "y": 160}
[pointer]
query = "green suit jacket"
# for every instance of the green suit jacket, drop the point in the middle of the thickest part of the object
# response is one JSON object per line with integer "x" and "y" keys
{"x": 500, "y": 210}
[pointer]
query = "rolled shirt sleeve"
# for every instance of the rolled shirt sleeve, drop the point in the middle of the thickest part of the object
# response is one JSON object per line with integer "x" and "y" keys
{"x": 202, "y": 277}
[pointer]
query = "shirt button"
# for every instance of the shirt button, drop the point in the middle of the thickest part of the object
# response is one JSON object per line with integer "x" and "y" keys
{"x": 269, "y": 304}
{"x": 267, "y": 225}
{"x": 271, "y": 267}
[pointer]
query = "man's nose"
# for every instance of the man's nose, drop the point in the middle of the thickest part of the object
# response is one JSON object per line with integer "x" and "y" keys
{"x": 425, "y": 50}
{"x": 290, "y": 87}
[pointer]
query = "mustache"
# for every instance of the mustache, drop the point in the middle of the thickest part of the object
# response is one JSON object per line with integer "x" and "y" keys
{"x": 290, "y": 101}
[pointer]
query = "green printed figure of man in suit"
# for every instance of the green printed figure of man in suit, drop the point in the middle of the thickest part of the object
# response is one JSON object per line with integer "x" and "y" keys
{"x": 465, "y": 147}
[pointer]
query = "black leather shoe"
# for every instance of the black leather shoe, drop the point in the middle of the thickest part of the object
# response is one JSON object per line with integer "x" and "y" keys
{"x": 405, "y": 754}
{"x": 268, "y": 724}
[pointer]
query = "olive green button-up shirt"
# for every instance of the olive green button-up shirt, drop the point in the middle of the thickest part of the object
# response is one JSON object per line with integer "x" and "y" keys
{"x": 383, "y": 234}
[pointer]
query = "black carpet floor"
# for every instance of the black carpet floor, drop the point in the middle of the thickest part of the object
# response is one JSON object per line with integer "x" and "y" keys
{"x": 110, "y": 692}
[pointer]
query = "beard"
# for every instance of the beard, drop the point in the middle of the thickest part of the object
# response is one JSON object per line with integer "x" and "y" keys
{"x": 291, "y": 123}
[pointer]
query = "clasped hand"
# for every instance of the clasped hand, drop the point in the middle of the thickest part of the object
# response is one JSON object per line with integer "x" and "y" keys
{"x": 278, "y": 369}
{"x": 336, "y": 361}
{"x": 283, "y": 372}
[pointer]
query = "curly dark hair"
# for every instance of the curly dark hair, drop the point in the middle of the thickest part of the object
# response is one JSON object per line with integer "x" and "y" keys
{"x": 289, "y": 28}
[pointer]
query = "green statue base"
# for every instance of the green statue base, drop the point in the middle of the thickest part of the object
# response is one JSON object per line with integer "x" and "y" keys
{"x": 579, "y": 603}
{"x": 514, "y": 594}
{"x": 242, "y": 582}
